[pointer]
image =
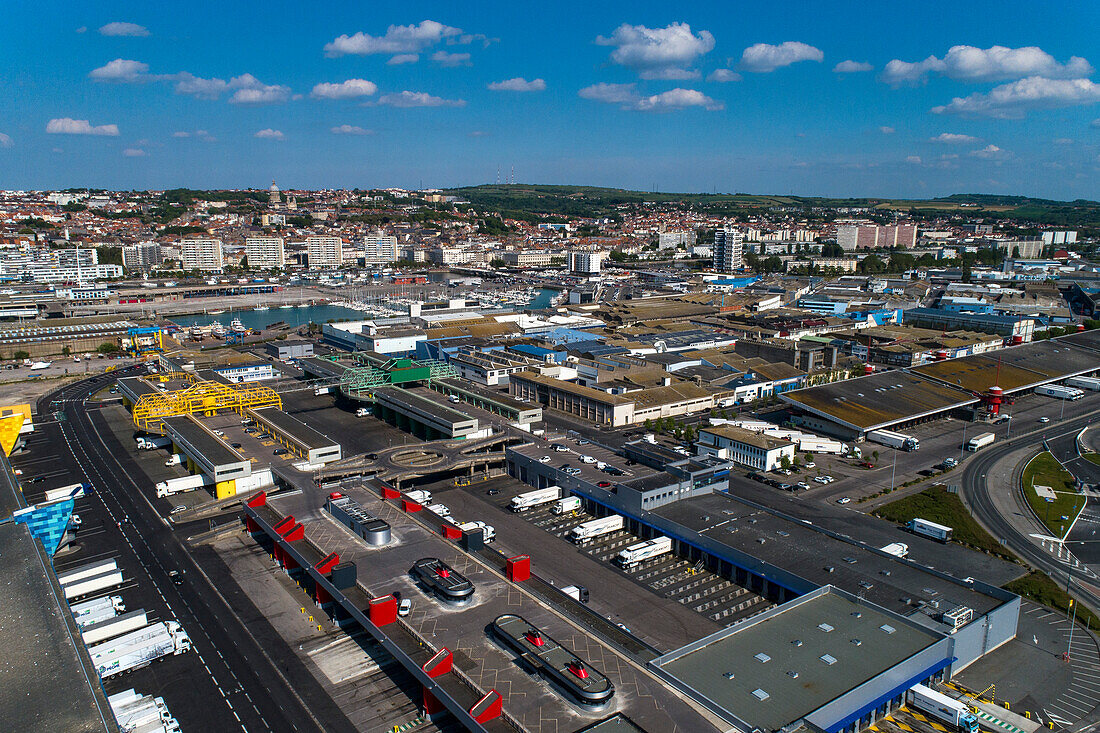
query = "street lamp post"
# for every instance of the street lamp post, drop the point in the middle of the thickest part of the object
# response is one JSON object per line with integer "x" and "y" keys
{"x": 963, "y": 445}
{"x": 893, "y": 470}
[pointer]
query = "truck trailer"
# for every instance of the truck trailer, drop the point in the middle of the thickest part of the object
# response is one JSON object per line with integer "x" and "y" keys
{"x": 103, "y": 607}
{"x": 566, "y": 505}
{"x": 576, "y": 592}
{"x": 115, "y": 626}
{"x": 893, "y": 440}
{"x": 642, "y": 551}
{"x": 139, "y": 648}
{"x": 596, "y": 527}
{"x": 980, "y": 441}
{"x": 73, "y": 491}
{"x": 152, "y": 443}
{"x": 488, "y": 533}
{"x": 1092, "y": 384}
{"x": 535, "y": 498}
{"x": 94, "y": 584}
{"x": 99, "y": 614}
{"x": 181, "y": 484}
{"x": 1059, "y": 392}
{"x": 953, "y": 712}
{"x": 87, "y": 571}
{"x": 938, "y": 532}
{"x": 821, "y": 445}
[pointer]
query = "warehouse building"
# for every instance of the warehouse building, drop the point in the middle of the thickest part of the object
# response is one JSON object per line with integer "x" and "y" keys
{"x": 762, "y": 452}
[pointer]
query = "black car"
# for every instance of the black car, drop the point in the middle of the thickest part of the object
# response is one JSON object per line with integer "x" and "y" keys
{"x": 493, "y": 492}
{"x": 279, "y": 452}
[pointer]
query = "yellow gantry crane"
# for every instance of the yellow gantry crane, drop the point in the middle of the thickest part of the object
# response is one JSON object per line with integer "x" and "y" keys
{"x": 201, "y": 398}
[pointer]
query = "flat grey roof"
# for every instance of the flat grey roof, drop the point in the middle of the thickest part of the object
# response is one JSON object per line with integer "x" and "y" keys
{"x": 47, "y": 681}
{"x": 294, "y": 428}
{"x": 136, "y": 387}
{"x": 821, "y": 558}
{"x": 322, "y": 367}
{"x": 213, "y": 449}
{"x": 1014, "y": 368}
{"x": 11, "y": 495}
{"x": 1085, "y": 339}
{"x": 421, "y": 398}
{"x": 780, "y": 667}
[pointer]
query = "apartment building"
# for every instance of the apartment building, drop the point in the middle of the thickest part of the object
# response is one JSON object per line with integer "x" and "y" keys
{"x": 851, "y": 237}
{"x": 202, "y": 254}
{"x": 728, "y": 250}
{"x": 379, "y": 249}
{"x": 324, "y": 252}
{"x": 142, "y": 257}
{"x": 265, "y": 253}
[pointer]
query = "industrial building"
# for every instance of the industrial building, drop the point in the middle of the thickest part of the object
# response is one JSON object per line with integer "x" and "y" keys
{"x": 762, "y": 452}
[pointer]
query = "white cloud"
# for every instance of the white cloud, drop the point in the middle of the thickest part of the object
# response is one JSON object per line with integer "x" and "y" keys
{"x": 443, "y": 58}
{"x": 5, "y": 140}
{"x": 627, "y": 96}
{"x": 763, "y": 57}
{"x": 203, "y": 135}
{"x": 853, "y": 67}
{"x": 1063, "y": 141}
{"x": 418, "y": 99}
{"x": 69, "y": 126}
{"x": 1015, "y": 98}
{"x": 399, "y": 39}
{"x": 82, "y": 29}
{"x": 997, "y": 63}
{"x": 403, "y": 58}
{"x": 518, "y": 84}
{"x": 658, "y": 53}
{"x": 187, "y": 83}
{"x": 723, "y": 75}
{"x": 120, "y": 70}
{"x": 887, "y": 130}
{"x": 181, "y": 133}
{"x": 914, "y": 159}
{"x": 123, "y": 29}
{"x": 133, "y": 152}
{"x": 954, "y": 138}
{"x": 477, "y": 133}
{"x": 349, "y": 89}
{"x": 251, "y": 90}
{"x": 351, "y": 130}
{"x": 268, "y": 134}
{"x": 989, "y": 152}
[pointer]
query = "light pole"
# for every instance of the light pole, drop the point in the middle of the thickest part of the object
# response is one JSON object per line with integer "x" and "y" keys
{"x": 1063, "y": 410}
{"x": 893, "y": 470}
{"x": 963, "y": 445}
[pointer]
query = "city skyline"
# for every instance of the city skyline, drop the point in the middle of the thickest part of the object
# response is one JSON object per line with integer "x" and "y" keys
{"x": 847, "y": 101}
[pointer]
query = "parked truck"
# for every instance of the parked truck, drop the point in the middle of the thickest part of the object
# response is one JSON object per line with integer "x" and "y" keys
{"x": 897, "y": 549}
{"x": 139, "y": 648}
{"x": 140, "y": 713}
{"x": 115, "y": 626}
{"x": 488, "y": 533}
{"x": 566, "y": 505}
{"x": 362, "y": 412}
{"x": 535, "y": 498}
{"x": 1092, "y": 384}
{"x": 945, "y": 709}
{"x": 1057, "y": 391}
{"x": 94, "y": 584}
{"x": 980, "y": 441}
{"x": 596, "y": 527}
{"x": 181, "y": 484}
{"x": 923, "y": 527}
{"x": 99, "y": 608}
{"x": 893, "y": 440}
{"x": 577, "y": 592}
{"x": 176, "y": 459}
{"x": 72, "y": 491}
{"x": 642, "y": 551}
{"x": 153, "y": 443}
{"x": 821, "y": 445}
{"x": 419, "y": 496}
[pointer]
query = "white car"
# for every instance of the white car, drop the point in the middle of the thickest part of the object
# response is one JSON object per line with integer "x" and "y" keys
{"x": 405, "y": 607}
{"x": 545, "y": 459}
{"x": 809, "y": 464}
{"x": 844, "y": 500}
{"x": 178, "y": 509}
{"x": 1044, "y": 420}
{"x": 821, "y": 480}
{"x": 802, "y": 485}
{"x": 587, "y": 459}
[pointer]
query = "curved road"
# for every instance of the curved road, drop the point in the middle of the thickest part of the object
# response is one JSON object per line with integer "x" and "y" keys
{"x": 254, "y": 683}
{"x": 974, "y": 490}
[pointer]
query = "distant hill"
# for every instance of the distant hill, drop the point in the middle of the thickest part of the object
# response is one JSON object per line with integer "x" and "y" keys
{"x": 539, "y": 202}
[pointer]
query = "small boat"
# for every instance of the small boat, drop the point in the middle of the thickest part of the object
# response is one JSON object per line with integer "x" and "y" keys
{"x": 261, "y": 308}
{"x": 217, "y": 330}
{"x": 287, "y": 305}
{"x": 196, "y": 333}
{"x": 216, "y": 313}
{"x": 237, "y": 327}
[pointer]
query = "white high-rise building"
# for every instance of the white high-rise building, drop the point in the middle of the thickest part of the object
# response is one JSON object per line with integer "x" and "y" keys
{"x": 324, "y": 252}
{"x": 202, "y": 254}
{"x": 585, "y": 262}
{"x": 379, "y": 249}
{"x": 141, "y": 257}
{"x": 728, "y": 250}
{"x": 263, "y": 253}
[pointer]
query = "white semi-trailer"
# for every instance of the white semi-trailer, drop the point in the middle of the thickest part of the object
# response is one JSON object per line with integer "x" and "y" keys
{"x": 181, "y": 484}
{"x": 73, "y": 491}
{"x": 642, "y": 551}
{"x": 939, "y": 532}
{"x": 893, "y": 440}
{"x": 419, "y": 496}
{"x": 116, "y": 626}
{"x": 86, "y": 571}
{"x": 948, "y": 710}
{"x": 566, "y": 505}
{"x": 139, "y": 648}
{"x": 153, "y": 443}
{"x": 535, "y": 498}
{"x": 94, "y": 584}
{"x": 821, "y": 445}
{"x": 980, "y": 441}
{"x": 1092, "y": 384}
{"x": 1059, "y": 392}
{"x": 596, "y": 527}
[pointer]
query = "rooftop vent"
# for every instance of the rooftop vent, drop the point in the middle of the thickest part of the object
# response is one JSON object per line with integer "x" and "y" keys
{"x": 760, "y": 694}
{"x": 792, "y": 674}
{"x": 857, "y": 614}
{"x": 857, "y": 642}
{"x": 797, "y": 642}
{"x": 888, "y": 628}
{"x": 762, "y": 658}
{"x": 825, "y": 627}
{"x": 829, "y": 659}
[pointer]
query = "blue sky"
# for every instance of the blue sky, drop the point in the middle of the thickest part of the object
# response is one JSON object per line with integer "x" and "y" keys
{"x": 938, "y": 97}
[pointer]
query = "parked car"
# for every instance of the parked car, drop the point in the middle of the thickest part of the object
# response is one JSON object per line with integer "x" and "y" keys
{"x": 279, "y": 452}
{"x": 809, "y": 464}
{"x": 405, "y": 607}
{"x": 587, "y": 459}
{"x": 559, "y": 447}
{"x": 1044, "y": 420}
{"x": 785, "y": 487}
{"x": 844, "y": 500}
{"x": 545, "y": 459}
{"x": 802, "y": 485}
{"x": 604, "y": 484}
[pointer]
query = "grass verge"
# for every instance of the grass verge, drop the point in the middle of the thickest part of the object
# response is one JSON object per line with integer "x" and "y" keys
{"x": 938, "y": 505}
{"x": 1058, "y": 514}
{"x": 1094, "y": 457}
{"x": 1039, "y": 587}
